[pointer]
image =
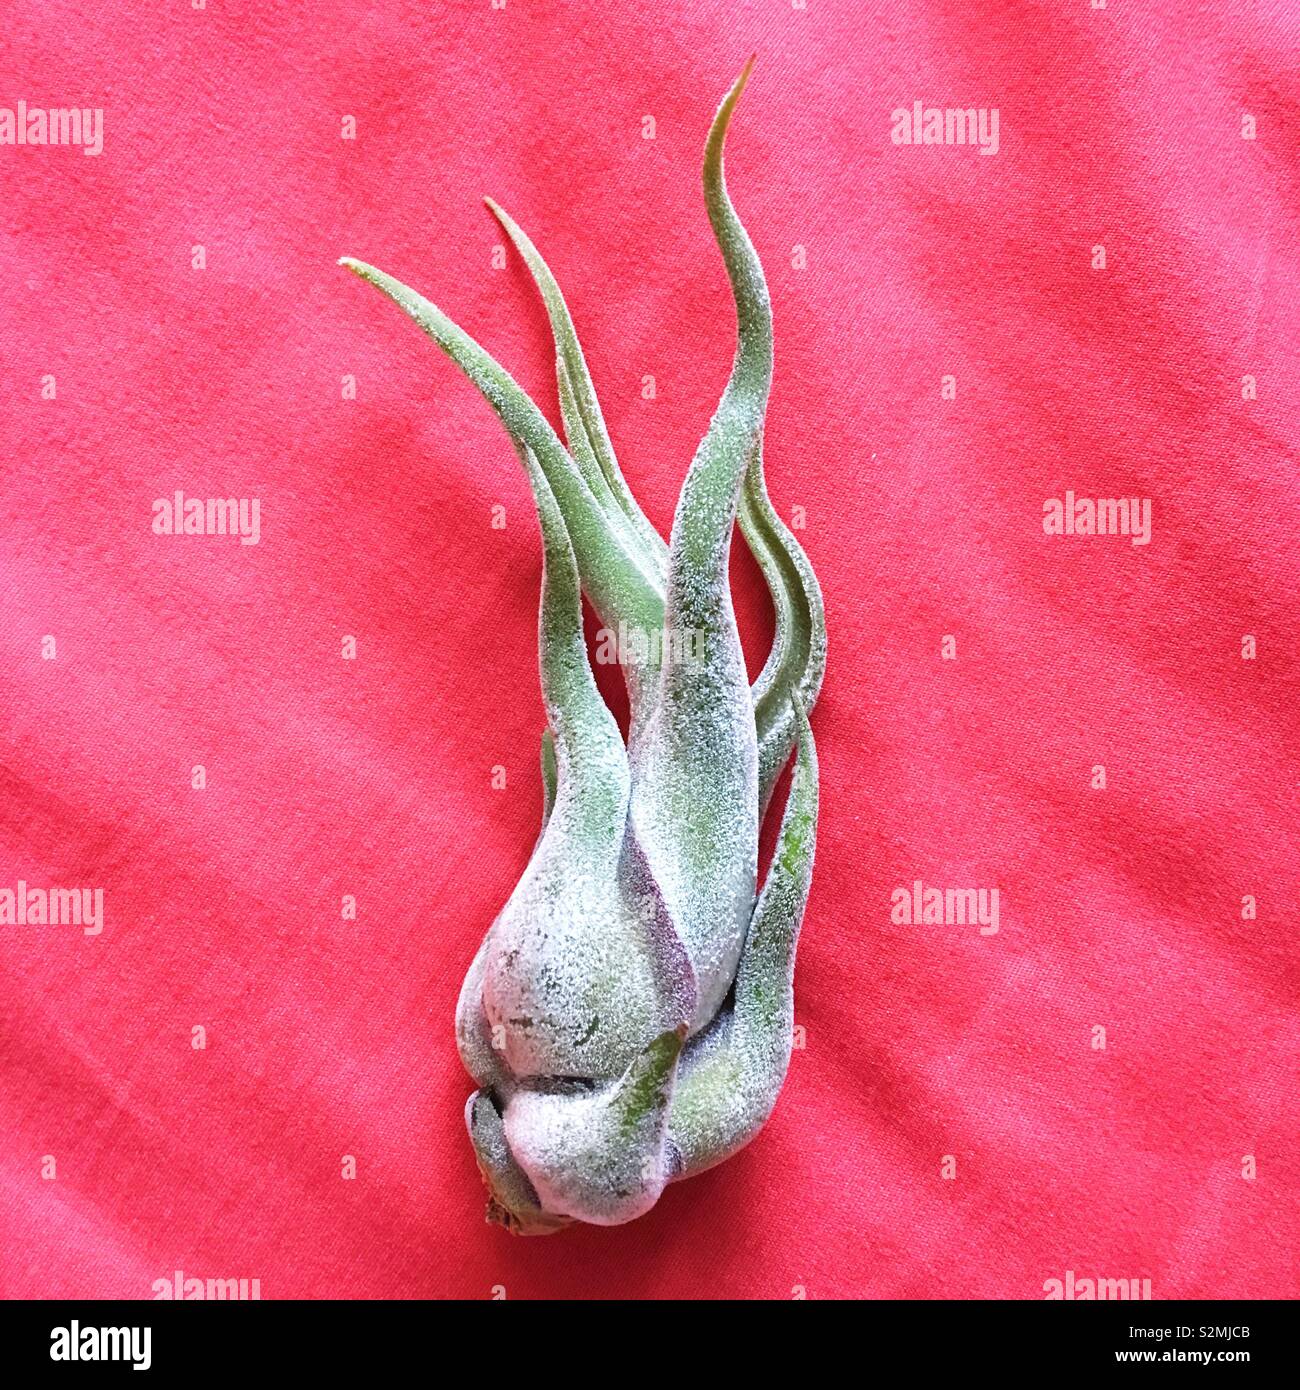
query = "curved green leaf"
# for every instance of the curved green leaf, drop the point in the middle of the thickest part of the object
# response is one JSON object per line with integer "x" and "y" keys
{"x": 731, "y": 1075}
{"x": 584, "y": 424}
{"x": 614, "y": 571}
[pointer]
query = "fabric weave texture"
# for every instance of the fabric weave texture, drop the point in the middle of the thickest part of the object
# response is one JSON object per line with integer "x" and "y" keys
{"x": 951, "y": 1125}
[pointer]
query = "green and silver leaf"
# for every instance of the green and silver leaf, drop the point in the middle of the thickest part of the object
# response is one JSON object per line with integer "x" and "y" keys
{"x": 628, "y": 1016}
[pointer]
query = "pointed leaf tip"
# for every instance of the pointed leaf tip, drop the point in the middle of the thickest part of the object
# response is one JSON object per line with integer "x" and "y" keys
{"x": 738, "y": 86}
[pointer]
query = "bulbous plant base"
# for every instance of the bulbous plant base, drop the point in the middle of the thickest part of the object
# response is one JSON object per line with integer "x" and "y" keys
{"x": 628, "y": 1018}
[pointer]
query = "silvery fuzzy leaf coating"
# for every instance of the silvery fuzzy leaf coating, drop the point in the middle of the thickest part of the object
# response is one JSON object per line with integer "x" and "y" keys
{"x": 628, "y": 1017}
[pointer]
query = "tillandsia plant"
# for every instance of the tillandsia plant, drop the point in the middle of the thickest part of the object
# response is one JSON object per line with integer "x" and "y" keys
{"x": 628, "y": 1019}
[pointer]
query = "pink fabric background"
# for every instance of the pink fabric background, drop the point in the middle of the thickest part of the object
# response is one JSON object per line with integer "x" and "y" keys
{"x": 1121, "y": 908}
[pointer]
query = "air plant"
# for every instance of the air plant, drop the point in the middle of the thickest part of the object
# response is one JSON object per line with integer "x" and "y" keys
{"x": 628, "y": 1018}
